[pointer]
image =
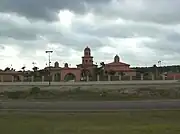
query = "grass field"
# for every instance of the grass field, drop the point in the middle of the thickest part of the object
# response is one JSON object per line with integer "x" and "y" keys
{"x": 134, "y": 122}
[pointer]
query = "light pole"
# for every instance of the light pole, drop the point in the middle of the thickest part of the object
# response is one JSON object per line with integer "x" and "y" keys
{"x": 49, "y": 52}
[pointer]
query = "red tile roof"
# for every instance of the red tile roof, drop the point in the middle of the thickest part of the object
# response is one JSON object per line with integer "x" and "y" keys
{"x": 117, "y": 64}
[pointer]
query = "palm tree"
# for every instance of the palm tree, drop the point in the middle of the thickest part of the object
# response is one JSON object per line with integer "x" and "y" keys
{"x": 102, "y": 69}
{"x": 35, "y": 68}
{"x": 83, "y": 73}
{"x": 23, "y": 68}
{"x": 7, "y": 69}
{"x": 102, "y": 64}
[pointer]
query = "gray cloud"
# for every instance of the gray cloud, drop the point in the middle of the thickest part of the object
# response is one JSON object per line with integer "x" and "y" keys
{"x": 125, "y": 30}
{"x": 31, "y": 20}
{"x": 45, "y": 9}
{"x": 160, "y": 11}
{"x": 28, "y": 35}
{"x": 166, "y": 47}
{"x": 2, "y": 47}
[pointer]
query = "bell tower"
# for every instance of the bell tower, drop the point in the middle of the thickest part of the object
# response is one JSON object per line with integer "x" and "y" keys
{"x": 116, "y": 59}
{"x": 87, "y": 59}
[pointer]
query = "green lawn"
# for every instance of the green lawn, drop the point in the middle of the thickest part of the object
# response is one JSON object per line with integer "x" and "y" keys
{"x": 134, "y": 122}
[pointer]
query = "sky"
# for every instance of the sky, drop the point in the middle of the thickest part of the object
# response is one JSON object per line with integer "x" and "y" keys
{"x": 141, "y": 32}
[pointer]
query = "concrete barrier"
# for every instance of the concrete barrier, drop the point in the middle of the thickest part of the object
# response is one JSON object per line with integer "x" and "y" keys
{"x": 148, "y": 82}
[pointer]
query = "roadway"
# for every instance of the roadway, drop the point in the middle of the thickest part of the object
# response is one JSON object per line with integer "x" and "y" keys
{"x": 73, "y": 106}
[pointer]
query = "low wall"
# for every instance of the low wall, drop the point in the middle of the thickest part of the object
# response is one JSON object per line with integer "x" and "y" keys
{"x": 109, "y": 85}
{"x": 134, "y": 82}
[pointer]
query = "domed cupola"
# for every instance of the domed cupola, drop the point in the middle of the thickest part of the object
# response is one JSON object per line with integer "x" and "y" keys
{"x": 66, "y": 65}
{"x": 56, "y": 64}
{"x": 116, "y": 59}
{"x": 87, "y": 51}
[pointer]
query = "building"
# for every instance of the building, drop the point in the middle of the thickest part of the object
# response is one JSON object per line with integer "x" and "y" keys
{"x": 116, "y": 70}
{"x": 87, "y": 66}
{"x": 10, "y": 76}
{"x": 86, "y": 71}
{"x": 119, "y": 67}
{"x": 83, "y": 71}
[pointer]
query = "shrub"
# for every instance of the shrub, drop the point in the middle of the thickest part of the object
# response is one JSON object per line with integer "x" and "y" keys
{"x": 77, "y": 90}
{"x": 103, "y": 94}
{"x": 35, "y": 90}
{"x": 15, "y": 95}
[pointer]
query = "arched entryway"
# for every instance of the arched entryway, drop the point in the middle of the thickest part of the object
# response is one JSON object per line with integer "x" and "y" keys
{"x": 57, "y": 77}
{"x": 69, "y": 77}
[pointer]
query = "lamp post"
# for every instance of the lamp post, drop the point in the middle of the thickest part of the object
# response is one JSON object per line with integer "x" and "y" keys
{"x": 49, "y": 54}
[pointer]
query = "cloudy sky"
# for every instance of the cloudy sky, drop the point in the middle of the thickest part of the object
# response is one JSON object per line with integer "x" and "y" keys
{"x": 140, "y": 31}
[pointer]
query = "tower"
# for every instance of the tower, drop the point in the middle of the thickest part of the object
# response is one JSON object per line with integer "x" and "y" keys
{"x": 87, "y": 59}
{"x": 116, "y": 59}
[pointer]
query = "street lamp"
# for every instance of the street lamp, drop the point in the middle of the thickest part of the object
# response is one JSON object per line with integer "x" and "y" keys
{"x": 49, "y": 52}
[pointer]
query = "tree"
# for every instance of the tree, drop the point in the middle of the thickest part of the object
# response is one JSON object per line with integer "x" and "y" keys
{"x": 102, "y": 64}
{"x": 35, "y": 73}
{"x": 7, "y": 69}
{"x": 43, "y": 72}
{"x": 83, "y": 72}
{"x": 35, "y": 68}
{"x": 23, "y": 68}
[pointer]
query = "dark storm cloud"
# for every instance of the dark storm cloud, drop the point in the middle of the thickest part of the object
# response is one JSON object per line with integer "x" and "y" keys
{"x": 160, "y": 11}
{"x": 45, "y": 9}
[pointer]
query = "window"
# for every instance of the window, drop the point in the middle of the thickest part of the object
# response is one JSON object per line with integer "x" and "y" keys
{"x": 86, "y": 61}
{"x": 90, "y": 60}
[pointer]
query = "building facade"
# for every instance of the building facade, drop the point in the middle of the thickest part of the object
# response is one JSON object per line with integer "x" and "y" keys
{"x": 119, "y": 67}
{"x": 86, "y": 71}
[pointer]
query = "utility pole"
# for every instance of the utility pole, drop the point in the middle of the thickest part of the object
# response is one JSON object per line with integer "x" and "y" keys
{"x": 49, "y": 54}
